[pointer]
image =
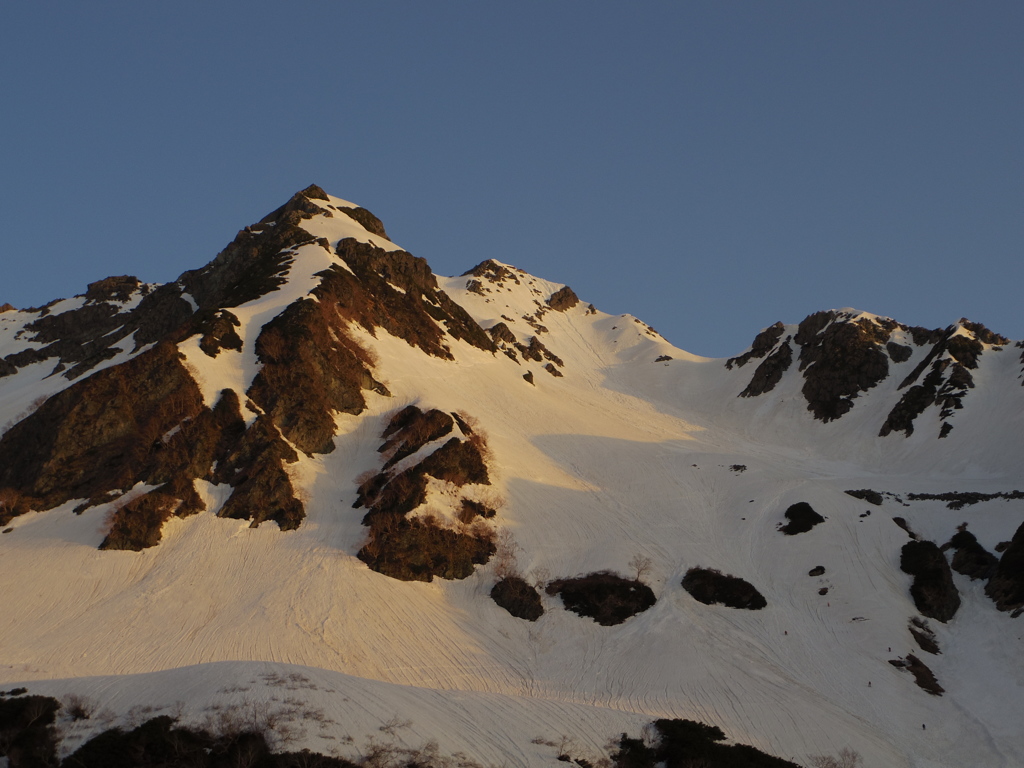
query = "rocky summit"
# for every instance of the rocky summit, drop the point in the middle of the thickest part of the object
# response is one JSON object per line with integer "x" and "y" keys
{"x": 312, "y": 504}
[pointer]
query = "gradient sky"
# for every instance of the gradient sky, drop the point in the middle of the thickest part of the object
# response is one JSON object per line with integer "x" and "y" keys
{"x": 710, "y": 167}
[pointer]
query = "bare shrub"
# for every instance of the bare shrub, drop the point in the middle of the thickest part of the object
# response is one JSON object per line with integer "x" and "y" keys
{"x": 479, "y": 441}
{"x": 506, "y": 556}
{"x": 847, "y": 758}
{"x": 277, "y": 724}
{"x": 394, "y": 724}
{"x": 79, "y": 707}
{"x": 640, "y": 565}
{"x": 467, "y": 422}
{"x": 539, "y": 577}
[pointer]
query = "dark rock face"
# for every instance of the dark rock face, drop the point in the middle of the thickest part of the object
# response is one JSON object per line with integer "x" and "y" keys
{"x": 983, "y": 334}
{"x": 368, "y": 297}
{"x": 493, "y": 272}
{"x": 866, "y": 494}
{"x": 802, "y": 518}
{"x": 410, "y": 429}
{"x": 690, "y": 744}
{"x": 898, "y": 353}
{"x": 563, "y": 299}
{"x": 119, "y": 288}
{"x": 764, "y": 343}
{"x": 368, "y": 221}
{"x": 252, "y": 265}
{"x": 420, "y": 549}
{"x": 769, "y": 372}
{"x": 501, "y": 332}
{"x": 712, "y": 587}
{"x": 605, "y": 597}
{"x": 970, "y": 558}
{"x": 933, "y": 590}
{"x": 839, "y": 361}
{"x": 219, "y": 333}
{"x": 93, "y": 437}
{"x": 923, "y": 676}
{"x": 924, "y": 636}
{"x": 842, "y": 356}
{"x": 948, "y": 378}
{"x": 1006, "y": 587}
{"x": 311, "y": 369}
{"x": 518, "y": 598}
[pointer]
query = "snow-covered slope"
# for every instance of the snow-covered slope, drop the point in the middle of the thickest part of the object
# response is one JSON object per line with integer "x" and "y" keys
{"x": 604, "y": 443}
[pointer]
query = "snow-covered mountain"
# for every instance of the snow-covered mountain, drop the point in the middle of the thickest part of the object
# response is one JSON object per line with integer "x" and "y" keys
{"x": 294, "y": 477}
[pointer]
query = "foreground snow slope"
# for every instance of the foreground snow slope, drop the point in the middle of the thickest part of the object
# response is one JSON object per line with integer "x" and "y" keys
{"x": 621, "y": 455}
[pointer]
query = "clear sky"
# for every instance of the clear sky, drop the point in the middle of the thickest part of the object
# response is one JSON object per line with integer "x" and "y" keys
{"x": 710, "y": 167}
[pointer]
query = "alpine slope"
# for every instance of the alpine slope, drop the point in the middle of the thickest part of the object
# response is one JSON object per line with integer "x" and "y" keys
{"x": 297, "y": 473}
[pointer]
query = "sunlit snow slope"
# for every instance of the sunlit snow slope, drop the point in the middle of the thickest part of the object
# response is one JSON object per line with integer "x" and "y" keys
{"x": 621, "y": 445}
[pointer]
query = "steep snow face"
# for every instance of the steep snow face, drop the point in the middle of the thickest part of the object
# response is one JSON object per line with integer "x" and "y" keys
{"x": 606, "y": 443}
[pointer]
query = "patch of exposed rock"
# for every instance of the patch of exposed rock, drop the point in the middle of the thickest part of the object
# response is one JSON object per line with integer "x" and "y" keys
{"x": 801, "y": 518}
{"x": 710, "y": 586}
{"x": 418, "y": 549}
{"x": 764, "y": 343}
{"x": 1006, "y": 587}
{"x": 563, "y": 299}
{"x": 933, "y": 590}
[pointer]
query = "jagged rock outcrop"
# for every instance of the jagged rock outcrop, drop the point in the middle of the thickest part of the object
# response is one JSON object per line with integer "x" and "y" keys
{"x": 1006, "y": 587}
{"x": 420, "y": 548}
{"x": 969, "y": 557}
{"x": 764, "y": 343}
{"x": 563, "y": 299}
{"x": 843, "y": 354}
{"x": 948, "y": 378}
{"x": 144, "y": 420}
{"x": 933, "y": 590}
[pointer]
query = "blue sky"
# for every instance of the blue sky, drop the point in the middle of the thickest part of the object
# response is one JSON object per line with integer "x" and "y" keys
{"x": 710, "y": 167}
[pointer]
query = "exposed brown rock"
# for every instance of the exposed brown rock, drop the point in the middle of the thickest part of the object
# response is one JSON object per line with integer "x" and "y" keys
{"x": 840, "y": 360}
{"x": 5, "y": 307}
{"x": 312, "y": 368}
{"x": 368, "y": 221}
{"x": 518, "y": 598}
{"x": 898, "y": 353}
{"x": 262, "y": 488}
{"x": 98, "y": 434}
{"x": 219, "y": 333}
{"x": 1006, "y": 587}
{"x": 933, "y": 590}
{"x": 501, "y": 332}
{"x": 984, "y": 334}
{"x": 712, "y": 587}
{"x": 801, "y": 518}
{"x": 923, "y": 676}
{"x": 410, "y": 429}
{"x": 537, "y": 352}
{"x": 970, "y": 558}
{"x": 769, "y": 372}
{"x": 563, "y": 299}
{"x": 420, "y": 549}
{"x": 493, "y": 272}
{"x": 118, "y": 288}
{"x": 764, "y": 342}
{"x": 369, "y": 298}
